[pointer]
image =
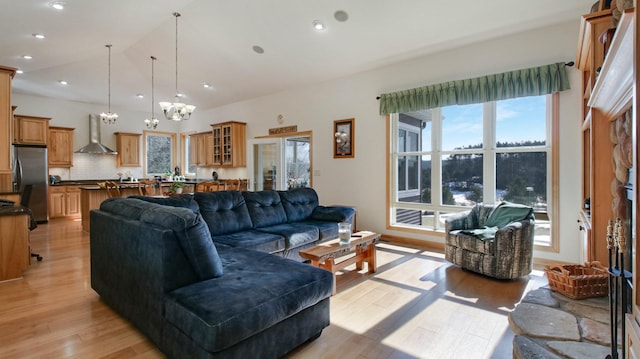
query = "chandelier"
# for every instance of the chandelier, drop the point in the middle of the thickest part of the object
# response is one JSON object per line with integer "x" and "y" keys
{"x": 177, "y": 110}
{"x": 153, "y": 121}
{"x": 109, "y": 117}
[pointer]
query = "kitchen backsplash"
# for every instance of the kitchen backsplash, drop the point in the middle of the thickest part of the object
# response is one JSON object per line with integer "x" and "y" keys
{"x": 87, "y": 166}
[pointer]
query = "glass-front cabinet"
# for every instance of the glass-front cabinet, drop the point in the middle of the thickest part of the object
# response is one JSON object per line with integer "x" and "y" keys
{"x": 229, "y": 144}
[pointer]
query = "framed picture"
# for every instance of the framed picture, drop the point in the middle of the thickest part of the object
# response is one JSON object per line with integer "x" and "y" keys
{"x": 343, "y": 135}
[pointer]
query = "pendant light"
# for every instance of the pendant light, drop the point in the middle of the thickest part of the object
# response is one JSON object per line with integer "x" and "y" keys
{"x": 177, "y": 110}
{"x": 153, "y": 121}
{"x": 109, "y": 117}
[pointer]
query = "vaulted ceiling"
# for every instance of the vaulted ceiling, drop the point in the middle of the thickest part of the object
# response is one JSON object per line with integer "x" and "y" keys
{"x": 216, "y": 40}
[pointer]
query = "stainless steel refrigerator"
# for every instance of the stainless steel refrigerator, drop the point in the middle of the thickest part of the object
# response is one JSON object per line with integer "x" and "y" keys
{"x": 30, "y": 167}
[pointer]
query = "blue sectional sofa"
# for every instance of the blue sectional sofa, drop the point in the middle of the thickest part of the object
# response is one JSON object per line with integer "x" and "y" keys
{"x": 203, "y": 276}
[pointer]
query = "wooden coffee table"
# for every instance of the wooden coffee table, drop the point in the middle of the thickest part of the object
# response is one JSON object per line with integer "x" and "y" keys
{"x": 362, "y": 244}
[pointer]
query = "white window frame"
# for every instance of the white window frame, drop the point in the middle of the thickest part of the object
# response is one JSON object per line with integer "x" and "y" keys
{"x": 489, "y": 152}
{"x": 172, "y": 136}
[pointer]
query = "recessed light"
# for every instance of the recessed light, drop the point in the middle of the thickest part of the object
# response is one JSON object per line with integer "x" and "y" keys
{"x": 180, "y": 95}
{"x": 318, "y": 25}
{"x": 19, "y": 71}
{"x": 27, "y": 57}
{"x": 58, "y": 5}
{"x": 341, "y": 15}
{"x": 257, "y": 49}
{"x": 206, "y": 85}
{"x": 63, "y": 82}
{"x": 39, "y": 36}
{"x": 139, "y": 95}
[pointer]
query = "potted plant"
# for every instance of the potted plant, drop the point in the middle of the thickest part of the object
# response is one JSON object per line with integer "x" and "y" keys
{"x": 176, "y": 187}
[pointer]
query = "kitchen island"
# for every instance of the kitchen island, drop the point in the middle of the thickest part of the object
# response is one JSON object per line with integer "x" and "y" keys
{"x": 92, "y": 196}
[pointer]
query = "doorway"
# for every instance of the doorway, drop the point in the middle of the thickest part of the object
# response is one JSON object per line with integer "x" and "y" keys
{"x": 280, "y": 163}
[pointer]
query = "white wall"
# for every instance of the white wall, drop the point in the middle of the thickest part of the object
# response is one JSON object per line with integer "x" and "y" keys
{"x": 361, "y": 181}
{"x": 76, "y": 115}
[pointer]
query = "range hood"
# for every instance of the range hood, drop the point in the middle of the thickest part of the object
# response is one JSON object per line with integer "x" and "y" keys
{"x": 94, "y": 146}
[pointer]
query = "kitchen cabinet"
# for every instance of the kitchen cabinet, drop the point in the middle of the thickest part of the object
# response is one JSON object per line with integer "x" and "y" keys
{"x": 64, "y": 202}
{"x": 229, "y": 144}
{"x": 14, "y": 246}
{"x": 201, "y": 148}
{"x": 30, "y": 130}
{"x": 60, "y": 146}
{"x": 208, "y": 150}
{"x": 128, "y": 147}
{"x": 6, "y": 118}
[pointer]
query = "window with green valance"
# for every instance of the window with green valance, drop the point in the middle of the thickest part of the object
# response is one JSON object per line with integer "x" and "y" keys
{"x": 535, "y": 81}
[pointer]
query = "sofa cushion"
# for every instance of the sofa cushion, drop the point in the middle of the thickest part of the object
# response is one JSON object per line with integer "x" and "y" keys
{"x": 253, "y": 239}
{"x": 257, "y": 291}
{"x": 224, "y": 211}
{"x": 327, "y": 230}
{"x": 295, "y": 234}
{"x": 185, "y": 200}
{"x": 265, "y": 208}
{"x": 190, "y": 229}
{"x": 333, "y": 214}
{"x": 299, "y": 203}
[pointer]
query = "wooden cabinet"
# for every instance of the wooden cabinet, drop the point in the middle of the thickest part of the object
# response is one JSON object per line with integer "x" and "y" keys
{"x": 6, "y": 123}
{"x": 223, "y": 146}
{"x": 14, "y": 246}
{"x": 216, "y": 133}
{"x": 60, "y": 146}
{"x": 230, "y": 144}
{"x": 597, "y": 149}
{"x": 64, "y": 202}
{"x": 610, "y": 104}
{"x": 201, "y": 149}
{"x": 30, "y": 130}
{"x": 208, "y": 150}
{"x": 128, "y": 147}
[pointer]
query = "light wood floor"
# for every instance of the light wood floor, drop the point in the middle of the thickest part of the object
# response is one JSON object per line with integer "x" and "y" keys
{"x": 416, "y": 306}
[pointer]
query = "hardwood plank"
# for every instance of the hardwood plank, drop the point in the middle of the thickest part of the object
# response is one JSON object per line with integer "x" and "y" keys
{"x": 415, "y": 306}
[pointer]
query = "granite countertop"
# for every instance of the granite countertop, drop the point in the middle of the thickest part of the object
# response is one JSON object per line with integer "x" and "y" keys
{"x": 95, "y": 182}
{"x": 13, "y": 210}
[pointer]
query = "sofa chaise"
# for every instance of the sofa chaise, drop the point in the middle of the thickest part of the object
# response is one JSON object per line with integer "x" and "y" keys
{"x": 204, "y": 276}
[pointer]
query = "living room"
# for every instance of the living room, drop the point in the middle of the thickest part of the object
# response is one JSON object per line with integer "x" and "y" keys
{"x": 362, "y": 181}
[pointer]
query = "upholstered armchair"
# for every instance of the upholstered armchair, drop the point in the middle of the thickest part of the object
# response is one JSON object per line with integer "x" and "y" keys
{"x": 487, "y": 241}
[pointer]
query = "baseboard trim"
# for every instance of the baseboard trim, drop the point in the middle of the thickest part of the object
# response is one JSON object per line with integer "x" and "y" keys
{"x": 418, "y": 243}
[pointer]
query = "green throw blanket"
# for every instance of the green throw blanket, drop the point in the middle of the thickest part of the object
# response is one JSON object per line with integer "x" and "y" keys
{"x": 502, "y": 215}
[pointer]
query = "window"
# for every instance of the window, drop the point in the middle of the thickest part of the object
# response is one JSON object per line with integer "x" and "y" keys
{"x": 445, "y": 160}
{"x": 189, "y": 163}
{"x": 160, "y": 152}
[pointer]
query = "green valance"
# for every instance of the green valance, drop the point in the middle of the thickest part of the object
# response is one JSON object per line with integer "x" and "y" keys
{"x": 535, "y": 81}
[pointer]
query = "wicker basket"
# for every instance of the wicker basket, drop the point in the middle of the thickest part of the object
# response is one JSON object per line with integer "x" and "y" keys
{"x": 578, "y": 282}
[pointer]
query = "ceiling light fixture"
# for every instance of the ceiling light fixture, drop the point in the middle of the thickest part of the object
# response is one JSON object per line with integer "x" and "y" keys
{"x": 109, "y": 117}
{"x": 27, "y": 57}
{"x": 341, "y": 15}
{"x": 258, "y": 49}
{"x": 38, "y": 36}
{"x": 140, "y": 95}
{"x": 177, "y": 111}
{"x": 153, "y": 121}
{"x": 58, "y": 5}
{"x": 63, "y": 82}
{"x": 19, "y": 71}
{"x": 318, "y": 25}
